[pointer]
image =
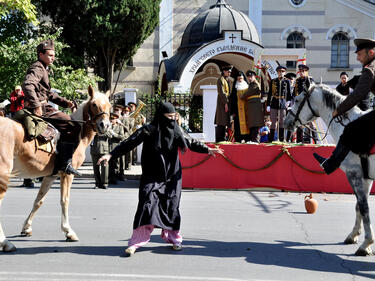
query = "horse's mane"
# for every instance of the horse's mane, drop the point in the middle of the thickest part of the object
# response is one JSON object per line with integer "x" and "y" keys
{"x": 78, "y": 114}
{"x": 331, "y": 97}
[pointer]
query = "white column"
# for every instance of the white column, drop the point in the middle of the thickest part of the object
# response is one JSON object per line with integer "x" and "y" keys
{"x": 209, "y": 110}
{"x": 255, "y": 14}
{"x": 166, "y": 28}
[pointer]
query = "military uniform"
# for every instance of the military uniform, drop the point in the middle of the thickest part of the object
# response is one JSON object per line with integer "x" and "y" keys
{"x": 302, "y": 83}
{"x": 278, "y": 95}
{"x": 100, "y": 147}
{"x": 126, "y": 160}
{"x": 37, "y": 91}
{"x": 117, "y": 136}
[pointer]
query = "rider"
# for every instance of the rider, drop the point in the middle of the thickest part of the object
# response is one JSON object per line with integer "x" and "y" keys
{"x": 37, "y": 90}
{"x": 358, "y": 135}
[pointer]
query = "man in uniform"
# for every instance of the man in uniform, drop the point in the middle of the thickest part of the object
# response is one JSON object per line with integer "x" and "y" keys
{"x": 278, "y": 95}
{"x": 129, "y": 125}
{"x": 222, "y": 115}
{"x": 358, "y": 135}
{"x": 37, "y": 90}
{"x": 100, "y": 147}
{"x": 302, "y": 82}
{"x": 117, "y": 136}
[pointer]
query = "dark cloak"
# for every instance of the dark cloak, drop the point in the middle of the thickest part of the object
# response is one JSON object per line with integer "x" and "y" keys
{"x": 161, "y": 180}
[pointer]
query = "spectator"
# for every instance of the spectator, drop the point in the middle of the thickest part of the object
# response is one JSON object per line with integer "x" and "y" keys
{"x": 265, "y": 131}
{"x": 344, "y": 87}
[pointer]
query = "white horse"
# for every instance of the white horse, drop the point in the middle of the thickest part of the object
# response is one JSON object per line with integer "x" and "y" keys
{"x": 321, "y": 101}
{"x": 19, "y": 157}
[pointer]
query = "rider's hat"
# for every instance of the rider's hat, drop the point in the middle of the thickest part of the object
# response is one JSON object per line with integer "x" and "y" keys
{"x": 362, "y": 43}
{"x": 45, "y": 45}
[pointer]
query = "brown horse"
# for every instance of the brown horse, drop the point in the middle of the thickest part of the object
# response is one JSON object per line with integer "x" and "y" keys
{"x": 19, "y": 157}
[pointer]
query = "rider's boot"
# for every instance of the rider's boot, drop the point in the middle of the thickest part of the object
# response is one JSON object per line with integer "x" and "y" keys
{"x": 332, "y": 163}
{"x": 63, "y": 160}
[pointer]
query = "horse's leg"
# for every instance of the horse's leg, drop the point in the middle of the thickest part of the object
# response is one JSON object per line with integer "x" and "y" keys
{"x": 4, "y": 243}
{"x": 354, "y": 235}
{"x": 65, "y": 185}
{"x": 39, "y": 200}
{"x": 361, "y": 188}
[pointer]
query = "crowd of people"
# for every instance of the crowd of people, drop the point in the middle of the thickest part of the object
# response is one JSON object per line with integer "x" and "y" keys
{"x": 124, "y": 121}
{"x": 247, "y": 113}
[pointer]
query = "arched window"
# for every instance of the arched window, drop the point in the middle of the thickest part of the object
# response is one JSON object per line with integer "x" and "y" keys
{"x": 295, "y": 40}
{"x": 340, "y": 51}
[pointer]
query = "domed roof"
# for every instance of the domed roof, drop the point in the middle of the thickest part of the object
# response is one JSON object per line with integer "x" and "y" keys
{"x": 208, "y": 25}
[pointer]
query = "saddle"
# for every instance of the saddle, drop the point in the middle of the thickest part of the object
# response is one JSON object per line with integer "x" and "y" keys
{"x": 44, "y": 134}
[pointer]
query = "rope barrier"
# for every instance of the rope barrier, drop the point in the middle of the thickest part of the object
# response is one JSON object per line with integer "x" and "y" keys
{"x": 284, "y": 150}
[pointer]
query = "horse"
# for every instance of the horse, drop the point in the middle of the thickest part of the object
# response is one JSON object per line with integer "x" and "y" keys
{"x": 19, "y": 157}
{"x": 319, "y": 100}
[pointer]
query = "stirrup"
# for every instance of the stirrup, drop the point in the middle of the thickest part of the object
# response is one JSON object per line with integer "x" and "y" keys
{"x": 71, "y": 171}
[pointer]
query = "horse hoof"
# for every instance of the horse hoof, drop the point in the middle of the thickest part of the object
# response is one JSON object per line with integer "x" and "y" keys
{"x": 363, "y": 253}
{"x": 26, "y": 234}
{"x": 350, "y": 240}
{"x": 71, "y": 239}
{"x": 9, "y": 247}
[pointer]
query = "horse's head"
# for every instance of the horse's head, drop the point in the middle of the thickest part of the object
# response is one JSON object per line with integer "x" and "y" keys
{"x": 97, "y": 110}
{"x": 304, "y": 108}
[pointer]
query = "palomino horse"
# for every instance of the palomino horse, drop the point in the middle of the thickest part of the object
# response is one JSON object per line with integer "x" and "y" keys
{"x": 19, "y": 157}
{"x": 321, "y": 101}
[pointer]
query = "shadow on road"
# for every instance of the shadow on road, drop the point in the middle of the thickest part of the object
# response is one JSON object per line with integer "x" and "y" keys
{"x": 286, "y": 254}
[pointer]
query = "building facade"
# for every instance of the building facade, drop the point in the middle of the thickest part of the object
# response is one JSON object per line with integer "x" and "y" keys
{"x": 324, "y": 28}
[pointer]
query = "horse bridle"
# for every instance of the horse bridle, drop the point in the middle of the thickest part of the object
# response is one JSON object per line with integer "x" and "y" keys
{"x": 92, "y": 120}
{"x": 306, "y": 98}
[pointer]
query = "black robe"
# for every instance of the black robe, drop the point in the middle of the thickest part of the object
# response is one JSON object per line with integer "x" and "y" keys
{"x": 161, "y": 180}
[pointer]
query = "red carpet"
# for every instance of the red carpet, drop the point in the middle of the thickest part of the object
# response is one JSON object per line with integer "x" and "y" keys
{"x": 290, "y": 168}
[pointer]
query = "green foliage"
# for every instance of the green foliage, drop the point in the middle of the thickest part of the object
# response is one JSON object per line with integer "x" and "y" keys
{"x": 17, "y": 56}
{"x": 24, "y": 6}
{"x": 108, "y": 32}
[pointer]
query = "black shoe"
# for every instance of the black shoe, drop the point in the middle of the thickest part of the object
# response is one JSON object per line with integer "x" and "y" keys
{"x": 327, "y": 166}
{"x": 71, "y": 171}
{"x": 28, "y": 185}
{"x": 121, "y": 177}
{"x": 103, "y": 187}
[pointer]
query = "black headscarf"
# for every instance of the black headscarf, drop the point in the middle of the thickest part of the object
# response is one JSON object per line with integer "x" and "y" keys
{"x": 168, "y": 132}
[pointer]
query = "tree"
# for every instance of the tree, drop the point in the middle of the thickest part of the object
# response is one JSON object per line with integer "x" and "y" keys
{"x": 17, "y": 56}
{"x": 108, "y": 32}
{"x": 24, "y": 6}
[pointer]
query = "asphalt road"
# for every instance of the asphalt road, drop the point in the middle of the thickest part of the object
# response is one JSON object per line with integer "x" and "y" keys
{"x": 228, "y": 235}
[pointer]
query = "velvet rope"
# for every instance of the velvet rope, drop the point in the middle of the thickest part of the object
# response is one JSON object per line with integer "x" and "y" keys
{"x": 283, "y": 151}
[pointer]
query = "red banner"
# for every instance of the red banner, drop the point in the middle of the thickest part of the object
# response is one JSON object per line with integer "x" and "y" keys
{"x": 290, "y": 168}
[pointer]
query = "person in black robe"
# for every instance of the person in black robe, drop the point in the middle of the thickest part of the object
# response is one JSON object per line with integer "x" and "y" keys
{"x": 161, "y": 180}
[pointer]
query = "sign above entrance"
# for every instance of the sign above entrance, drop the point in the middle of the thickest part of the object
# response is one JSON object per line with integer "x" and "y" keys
{"x": 232, "y": 42}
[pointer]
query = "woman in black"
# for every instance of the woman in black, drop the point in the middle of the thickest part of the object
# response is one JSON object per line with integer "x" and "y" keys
{"x": 161, "y": 180}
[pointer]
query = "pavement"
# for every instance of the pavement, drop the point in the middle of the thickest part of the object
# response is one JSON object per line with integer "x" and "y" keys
{"x": 228, "y": 236}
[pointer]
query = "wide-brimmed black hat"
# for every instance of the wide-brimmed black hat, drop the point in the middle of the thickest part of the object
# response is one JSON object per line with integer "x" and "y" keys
{"x": 363, "y": 43}
{"x": 280, "y": 67}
